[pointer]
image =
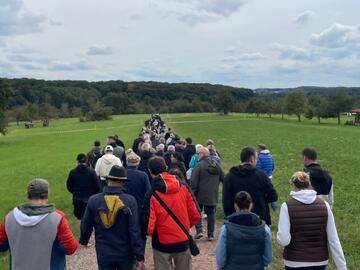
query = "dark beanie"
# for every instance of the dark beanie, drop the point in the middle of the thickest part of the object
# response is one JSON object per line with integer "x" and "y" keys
{"x": 81, "y": 158}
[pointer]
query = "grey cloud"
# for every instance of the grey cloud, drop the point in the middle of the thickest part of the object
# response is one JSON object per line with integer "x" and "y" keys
{"x": 55, "y": 23}
{"x": 99, "y": 50}
{"x": 337, "y": 36}
{"x": 69, "y": 66}
{"x": 304, "y": 17}
{"x": 251, "y": 56}
{"x": 15, "y": 19}
{"x": 205, "y": 11}
{"x": 29, "y": 58}
{"x": 135, "y": 17}
{"x": 292, "y": 52}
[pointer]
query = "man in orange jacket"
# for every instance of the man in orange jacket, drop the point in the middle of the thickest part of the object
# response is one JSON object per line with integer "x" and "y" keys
{"x": 170, "y": 244}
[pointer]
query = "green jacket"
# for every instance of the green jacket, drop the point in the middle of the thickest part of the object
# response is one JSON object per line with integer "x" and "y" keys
{"x": 205, "y": 180}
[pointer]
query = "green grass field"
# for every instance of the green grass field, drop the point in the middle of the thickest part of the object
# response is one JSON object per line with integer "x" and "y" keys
{"x": 50, "y": 153}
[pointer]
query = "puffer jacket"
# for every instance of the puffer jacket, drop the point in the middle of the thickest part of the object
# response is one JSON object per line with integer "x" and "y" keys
{"x": 205, "y": 180}
{"x": 265, "y": 162}
{"x": 166, "y": 234}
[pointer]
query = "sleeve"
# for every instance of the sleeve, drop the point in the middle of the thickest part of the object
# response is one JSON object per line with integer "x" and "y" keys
{"x": 331, "y": 196}
{"x": 192, "y": 207}
{"x": 123, "y": 159}
{"x": 97, "y": 167}
{"x": 267, "y": 256}
{"x": 334, "y": 242}
{"x": 227, "y": 198}
{"x": 194, "y": 180}
{"x": 69, "y": 185}
{"x": 152, "y": 217}
{"x": 145, "y": 213}
{"x": 96, "y": 182}
{"x": 65, "y": 236}
{"x": 270, "y": 192}
{"x": 4, "y": 243}
{"x": 135, "y": 233}
{"x": 118, "y": 162}
{"x": 192, "y": 161}
{"x": 87, "y": 225}
{"x": 258, "y": 163}
{"x": 220, "y": 249}
{"x": 283, "y": 235}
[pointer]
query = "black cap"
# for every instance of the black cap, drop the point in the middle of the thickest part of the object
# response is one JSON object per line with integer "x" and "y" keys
{"x": 117, "y": 173}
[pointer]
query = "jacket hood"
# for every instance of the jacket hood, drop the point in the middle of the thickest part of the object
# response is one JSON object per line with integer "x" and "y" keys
{"x": 166, "y": 183}
{"x": 306, "y": 196}
{"x": 29, "y": 215}
{"x": 266, "y": 151}
{"x": 212, "y": 167}
{"x": 250, "y": 231}
{"x": 108, "y": 158}
{"x": 81, "y": 167}
{"x": 243, "y": 169}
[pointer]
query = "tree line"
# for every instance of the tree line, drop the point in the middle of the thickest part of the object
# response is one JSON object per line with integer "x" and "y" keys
{"x": 30, "y": 99}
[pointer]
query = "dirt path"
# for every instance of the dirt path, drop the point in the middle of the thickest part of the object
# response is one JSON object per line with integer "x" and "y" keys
{"x": 85, "y": 258}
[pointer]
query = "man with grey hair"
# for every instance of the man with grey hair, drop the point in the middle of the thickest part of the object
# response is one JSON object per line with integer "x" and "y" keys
{"x": 37, "y": 235}
{"x": 145, "y": 155}
{"x": 205, "y": 180}
{"x": 167, "y": 155}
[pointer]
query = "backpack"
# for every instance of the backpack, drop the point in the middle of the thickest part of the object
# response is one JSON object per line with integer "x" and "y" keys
{"x": 93, "y": 157}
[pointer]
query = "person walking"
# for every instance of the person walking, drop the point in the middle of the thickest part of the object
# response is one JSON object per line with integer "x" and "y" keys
{"x": 246, "y": 177}
{"x": 95, "y": 153}
{"x": 266, "y": 163}
{"x": 189, "y": 151}
{"x": 145, "y": 156}
{"x": 244, "y": 240}
{"x": 320, "y": 179}
{"x": 105, "y": 163}
{"x": 307, "y": 229}
{"x": 118, "y": 150}
{"x": 36, "y": 233}
{"x": 177, "y": 162}
{"x": 114, "y": 216}
{"x": 82, "y": 183}
{"x": 205, "y": 180}
{"x": 170, "y": 243}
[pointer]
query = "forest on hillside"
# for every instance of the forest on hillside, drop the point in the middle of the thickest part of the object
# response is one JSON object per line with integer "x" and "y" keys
{"x": 31, "y": 99}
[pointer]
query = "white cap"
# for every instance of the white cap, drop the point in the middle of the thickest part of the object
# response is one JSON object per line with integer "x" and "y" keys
{"x": 109, "y": 148}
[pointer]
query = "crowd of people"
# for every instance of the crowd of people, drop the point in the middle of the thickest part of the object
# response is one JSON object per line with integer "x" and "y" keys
{"x": 163, "y": 186}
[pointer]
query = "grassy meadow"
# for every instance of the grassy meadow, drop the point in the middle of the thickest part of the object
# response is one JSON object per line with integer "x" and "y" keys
{"x": 50, "y": 153}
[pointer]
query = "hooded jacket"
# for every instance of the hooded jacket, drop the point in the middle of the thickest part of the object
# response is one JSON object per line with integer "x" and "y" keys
{"x": 119, "y": 152}
{"x": 114, "y": 216}
{"x": 205, "y": 180}
{"x": 38, "y": 237}
{"x": 105, "y": 163}
{"x": 248, "y": 178}
{"x": 166, "y": 234}
{"x": 82, "y": 182}
{"x": 244, "y": 243}
{"x": 284, "y": 234}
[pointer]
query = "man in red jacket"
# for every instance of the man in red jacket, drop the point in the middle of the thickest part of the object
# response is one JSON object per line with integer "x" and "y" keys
{"x": 170, "y": 244}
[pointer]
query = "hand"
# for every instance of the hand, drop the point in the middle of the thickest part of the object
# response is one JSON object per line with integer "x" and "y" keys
{"x": 139, "y": 265}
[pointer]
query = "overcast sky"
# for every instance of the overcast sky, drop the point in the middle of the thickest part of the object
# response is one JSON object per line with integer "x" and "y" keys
{"x": 248, "y": 43}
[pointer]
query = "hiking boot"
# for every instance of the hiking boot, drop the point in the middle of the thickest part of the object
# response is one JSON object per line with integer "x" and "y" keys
{"x": 199, "y": 236}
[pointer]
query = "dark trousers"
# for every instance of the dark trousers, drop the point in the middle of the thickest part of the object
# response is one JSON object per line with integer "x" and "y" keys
{"x": 113, "y": 265}
{"x": 210, "y": 212}
{"x": 323, "y": 267}
{"x": 79, "y": 207}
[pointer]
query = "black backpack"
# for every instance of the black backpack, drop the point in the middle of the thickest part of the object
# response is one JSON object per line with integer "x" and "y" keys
{"x": 93, "y": 157}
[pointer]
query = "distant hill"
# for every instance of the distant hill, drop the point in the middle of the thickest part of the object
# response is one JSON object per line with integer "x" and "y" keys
{"x": 307, "y": 89}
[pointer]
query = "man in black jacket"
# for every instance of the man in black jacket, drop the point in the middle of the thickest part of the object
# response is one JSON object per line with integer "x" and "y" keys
{"x": 114, "y": 215}
{"x": 82, "y": 183}
{"x": 246, "y": 177}
{"x": 189, "y": 152}
{"x": 320, "y": 179}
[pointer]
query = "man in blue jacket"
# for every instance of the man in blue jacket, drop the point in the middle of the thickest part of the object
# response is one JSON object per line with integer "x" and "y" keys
{"x": 265, "y": 162}
{"x": 114, "y": 215}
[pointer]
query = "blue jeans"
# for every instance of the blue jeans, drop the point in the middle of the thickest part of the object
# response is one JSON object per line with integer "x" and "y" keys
{"x": 323, "y": 267}
{"x": 114, "y": 265}
{"x": 210, "y": 212}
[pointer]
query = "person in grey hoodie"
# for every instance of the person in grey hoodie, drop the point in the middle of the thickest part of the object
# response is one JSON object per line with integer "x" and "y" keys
{"x": 204, "y": 182}
{"x": 37, "y": 235}
{"x": 105, "y": 163}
